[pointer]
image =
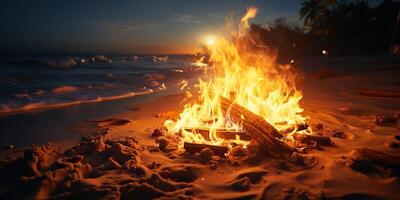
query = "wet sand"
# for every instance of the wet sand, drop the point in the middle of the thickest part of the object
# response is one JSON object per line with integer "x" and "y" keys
{"x": 40, "y": 126}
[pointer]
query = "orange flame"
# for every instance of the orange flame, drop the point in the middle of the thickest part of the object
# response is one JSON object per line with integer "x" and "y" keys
{"x": 248, "y": 75}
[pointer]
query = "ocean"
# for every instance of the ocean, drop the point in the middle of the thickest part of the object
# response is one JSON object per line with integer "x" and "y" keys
{"x": 43, "y": 95}
{"x": 41, "y": 81}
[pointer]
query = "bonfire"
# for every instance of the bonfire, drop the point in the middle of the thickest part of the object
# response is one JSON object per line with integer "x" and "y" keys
{"x": 247, "y": 95}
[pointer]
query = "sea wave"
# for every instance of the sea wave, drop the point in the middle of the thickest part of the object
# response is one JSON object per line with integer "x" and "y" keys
{"x": 101, "y": 58}
{"x": 58, "y": 62}
{"x": 65, "y": 89}
{"x": 33, "y": 82}
{"x": 160, "y": 58}
{"x": 13, "y": 109}
{"x": 64, "y": 63}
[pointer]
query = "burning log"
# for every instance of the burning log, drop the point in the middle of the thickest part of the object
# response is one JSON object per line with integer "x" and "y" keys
{"x": 307, "y": 139}
{"x": 220, "y": 132}
{"x": 196, "y": 148}
{"x": 260, "y": 130}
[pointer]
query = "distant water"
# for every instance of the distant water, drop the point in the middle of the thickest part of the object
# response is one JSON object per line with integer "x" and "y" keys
{"x": 50, "y": 80}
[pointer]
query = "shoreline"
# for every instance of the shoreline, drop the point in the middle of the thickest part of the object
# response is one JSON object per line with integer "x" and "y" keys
{"x": 54, "y": 124}
{"x": 42, "y": 106}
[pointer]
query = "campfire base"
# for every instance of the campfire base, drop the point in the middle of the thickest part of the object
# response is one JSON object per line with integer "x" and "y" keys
{"x": 307, "y": 139}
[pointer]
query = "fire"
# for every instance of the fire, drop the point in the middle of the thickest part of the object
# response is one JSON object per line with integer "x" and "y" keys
{"x": 247, "y": 74}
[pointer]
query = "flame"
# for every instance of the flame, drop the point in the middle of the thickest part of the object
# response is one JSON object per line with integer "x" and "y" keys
{"x": 201, "y": 61}
{"x": 248, "y": 75}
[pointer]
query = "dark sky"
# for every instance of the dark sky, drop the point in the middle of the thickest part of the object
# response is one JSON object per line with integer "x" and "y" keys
{"x": 122, "y": 26}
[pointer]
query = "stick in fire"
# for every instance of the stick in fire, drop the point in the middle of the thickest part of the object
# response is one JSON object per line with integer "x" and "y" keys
{"x": 221, "y": 133}
{"x": 259, "y": 129}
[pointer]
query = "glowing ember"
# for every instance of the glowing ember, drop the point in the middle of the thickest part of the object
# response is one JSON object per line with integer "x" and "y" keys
{"x": 249, "y": 76}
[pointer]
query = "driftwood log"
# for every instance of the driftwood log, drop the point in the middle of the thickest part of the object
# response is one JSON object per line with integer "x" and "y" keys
{"x": 259, "y": 129}
{"x": 220, "y": 132}
{"x": 196, "y": 148}
{"x": 370, "y": 161}
{"x": 379, "y": 93}
{"x": 307, "y": 139}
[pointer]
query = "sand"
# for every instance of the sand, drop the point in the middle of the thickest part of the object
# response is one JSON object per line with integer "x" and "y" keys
{"x": 128, "y": 156}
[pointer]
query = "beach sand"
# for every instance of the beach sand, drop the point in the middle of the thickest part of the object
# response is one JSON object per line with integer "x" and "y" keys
{"x": 126, "y": 156}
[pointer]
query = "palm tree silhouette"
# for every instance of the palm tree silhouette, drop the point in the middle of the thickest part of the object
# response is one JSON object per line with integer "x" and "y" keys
{"x": 311, "y": 11}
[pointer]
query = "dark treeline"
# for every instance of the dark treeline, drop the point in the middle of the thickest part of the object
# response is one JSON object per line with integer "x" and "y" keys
{"x": 341, "y": 27}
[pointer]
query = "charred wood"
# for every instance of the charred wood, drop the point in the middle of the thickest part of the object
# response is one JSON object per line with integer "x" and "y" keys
{"x": 196, "y": 148}
{"x": 259, "y": 129}
{"x": 308, "y": 139}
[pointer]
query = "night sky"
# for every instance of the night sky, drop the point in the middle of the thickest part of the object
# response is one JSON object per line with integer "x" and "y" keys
{"x": 147, "y": 26}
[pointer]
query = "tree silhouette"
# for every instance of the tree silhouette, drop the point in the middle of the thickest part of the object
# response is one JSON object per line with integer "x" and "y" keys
{"x": 311, "y": 11}
{"x": 344, "y": 27}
